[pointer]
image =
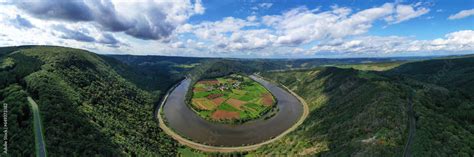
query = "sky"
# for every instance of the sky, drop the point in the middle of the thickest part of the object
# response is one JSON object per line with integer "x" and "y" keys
{"x": 244, "y": 28}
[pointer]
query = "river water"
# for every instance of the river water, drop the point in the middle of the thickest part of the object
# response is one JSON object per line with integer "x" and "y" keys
{"x": 188, "y": 124}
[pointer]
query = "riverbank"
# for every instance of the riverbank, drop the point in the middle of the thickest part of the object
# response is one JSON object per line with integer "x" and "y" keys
{"x": 209, "y": 148}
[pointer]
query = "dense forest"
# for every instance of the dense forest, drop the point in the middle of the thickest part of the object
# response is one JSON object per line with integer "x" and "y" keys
{"x": 153, "y": 72}
{"x": 87, "y": 107}
{"x": 351, "y": 113}
{"x": 443, "y": 104}
{"x": 365, "y": 113}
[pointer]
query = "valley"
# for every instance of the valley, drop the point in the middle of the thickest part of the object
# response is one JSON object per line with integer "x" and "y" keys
{"x": 223, "y": 136}
{"x": 118, "y": 105}
{"x": 246, "y": 78}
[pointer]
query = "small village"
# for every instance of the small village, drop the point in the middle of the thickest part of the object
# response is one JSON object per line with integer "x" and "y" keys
{"x": 234, "y": 83}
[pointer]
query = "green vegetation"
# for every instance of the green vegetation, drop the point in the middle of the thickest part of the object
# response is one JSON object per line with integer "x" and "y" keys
{"x": 21, "y": 140}
{"x": 384, "y": 66}
{"x": 443, "y": 104}
{"x": 365, "y": 113}
{"x": 187, "y": 65}
{"x": 231, "y": 99}
{"x": 7, "y": 63}
{"x": 152, "y": 72}
{"x": 95, "y": 105}
{"x": 349, "y": 114}
{"x": 87, "y": 108}
{"x": 187, "y": 152}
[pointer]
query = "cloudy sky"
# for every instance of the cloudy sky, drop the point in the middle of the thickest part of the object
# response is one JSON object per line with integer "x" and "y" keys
{"x": 243, "y": 28}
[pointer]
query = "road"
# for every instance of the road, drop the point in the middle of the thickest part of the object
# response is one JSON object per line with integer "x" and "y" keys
{"x": 229, "y": 138}
{"x": 412, "y": 128}
{"x": 38, "y": 129}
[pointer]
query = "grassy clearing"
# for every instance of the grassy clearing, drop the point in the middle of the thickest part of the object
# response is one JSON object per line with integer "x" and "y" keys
{"x": 227, "y": 107}
{"x": 7, "y": 63}
{"x": 203, "y": 103}
{"x": 186, "y": 66}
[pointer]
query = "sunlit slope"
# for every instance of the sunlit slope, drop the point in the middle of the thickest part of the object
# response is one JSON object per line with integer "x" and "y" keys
{"x": 87, "y": 107}
{"x": 384, "y": 66}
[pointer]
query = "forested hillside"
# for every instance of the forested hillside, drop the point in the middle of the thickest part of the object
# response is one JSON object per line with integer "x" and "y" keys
{"x": 152, "y": 72}
{"x": 365, "y": 113}
{"x": 87, "y": 107}
{"x": 443, "y": 105}
{"x": 352, "y": 113}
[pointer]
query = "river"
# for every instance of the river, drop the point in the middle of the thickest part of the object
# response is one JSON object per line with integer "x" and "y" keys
{"x": 187, "y": 123}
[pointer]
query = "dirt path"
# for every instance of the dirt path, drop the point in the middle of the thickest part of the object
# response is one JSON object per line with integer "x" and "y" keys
{"x": 38, "y": 129}
{"x": 412, "y": 128}
{"x": 208, "y": 148}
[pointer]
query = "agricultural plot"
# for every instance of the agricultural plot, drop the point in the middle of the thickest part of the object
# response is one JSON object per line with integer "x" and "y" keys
{"x": 234, "y": 98}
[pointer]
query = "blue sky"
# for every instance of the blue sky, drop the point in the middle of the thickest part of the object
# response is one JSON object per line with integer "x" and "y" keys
{"x": 244, "y": 28}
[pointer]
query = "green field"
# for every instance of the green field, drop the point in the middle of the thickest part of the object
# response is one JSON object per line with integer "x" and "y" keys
{"x": 232, "y": 98}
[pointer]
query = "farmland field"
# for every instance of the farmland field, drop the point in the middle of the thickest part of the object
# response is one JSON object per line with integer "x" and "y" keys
{"x": 231, "y": 99}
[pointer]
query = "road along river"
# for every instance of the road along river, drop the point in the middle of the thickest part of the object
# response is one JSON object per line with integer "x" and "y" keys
{"x": 188, "y": 128}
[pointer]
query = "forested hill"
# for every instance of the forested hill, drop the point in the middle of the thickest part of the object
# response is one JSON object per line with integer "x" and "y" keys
{"x": 153, "y": 72}
{"x": 352, "y": 113}
{"x": 87, "y": 107}
{"x": 443, "y": 104}
{"x": 452, "y": 73}
{"x": 365, "y": 113}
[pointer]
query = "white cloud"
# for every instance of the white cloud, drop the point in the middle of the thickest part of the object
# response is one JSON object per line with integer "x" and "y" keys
{"x": 198, "y": 8}
{"x": 453, "y": 42}
{"x": 252, "y": 18}
{"x": 407, "y": 12}
{"x": 178, "y": 44}
{"x": 456, "y": 41}
{"x": 301, "y": 25}
{"x": 265, "y": 5}
{"x": 216, "y": 30}
{"x": 299, "y": 31}
{"x": 250, "y": 39}
{"x": 228, "y": 34}
{"x": 77, "y": 35}
{"x": 148, "y": 19}
{"x": 262, "y": 6}
{"x": 462, "y": 14}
